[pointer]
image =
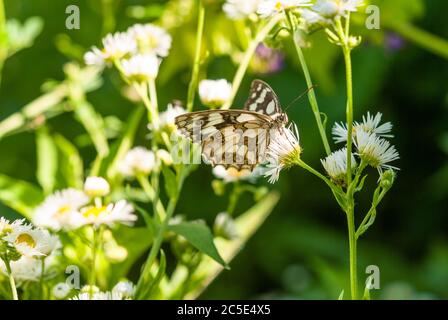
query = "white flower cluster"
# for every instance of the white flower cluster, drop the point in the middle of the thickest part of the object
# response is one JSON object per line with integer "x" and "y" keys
{"x": 326, "y": 11}
{"x": 124, "y": 290}
{"x": 237, "y": 10}
{"x": 23, "y": 247}
{"x": 370, "y": 143}
{"x": 71, "y": 209}
{"x": 137, "y": 53}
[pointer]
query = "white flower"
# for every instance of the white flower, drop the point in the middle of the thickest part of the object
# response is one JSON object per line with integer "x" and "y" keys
{"x": 165, "y": 157}
{"x": 115, "y": 46}
{"x": 151, "y": 39}
{"x": 96, "y": 187}
{"x": 24, "y": 269}
{"x": 237, "y": 9}
{"x": 125, "y": 289}
{"x": 214, "y": 93}
{"x": 376, "y": 151}
{"x": 267, "y": 8}
{"x": 98, "y": 296}
{"x": 232, "y": 174}
{"x": 225, "y": 226}
{"x": 6, "y": 226}
{"x": 369, "y": 124}
{"x": 141, "y": 67}
{"x": 311, "y": 17}
{"x": 120, "y": 212}
{"x": 336, "y": 165}
{"x": 32, "y": 242}
{"x": 283, "y": 151}
{"x": 61, "y": 210}
{"x": 336, "y": 8}
{"x": 61, "y": 290}
{"x": 138, "y": 160}
{"x": 167, "y": 117}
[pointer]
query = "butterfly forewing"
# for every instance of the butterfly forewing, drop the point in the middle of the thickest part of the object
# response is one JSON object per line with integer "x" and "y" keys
{"x": 262, "y": 99}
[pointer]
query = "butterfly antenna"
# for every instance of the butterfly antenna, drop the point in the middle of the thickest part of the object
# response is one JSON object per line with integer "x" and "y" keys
{"x": 300, "y": 96}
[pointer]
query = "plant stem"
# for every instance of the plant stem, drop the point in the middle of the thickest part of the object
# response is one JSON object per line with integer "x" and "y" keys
{"x": 253, "y": 44}
{"x": 233, "y": 199}
{"x": 154, "y": 103}
{"x": 41, "y": 280}
{"x": 12, "y": 283}
{"x": 302, "y": 164}
{"x": 4, "y": 46}
{"x": 197, "y": 57}
{"x": 352, "y": 248}
{"x": 311, "y": 95}
{"x": 151, "y": 193}
{"x": 143, "y": 93}
{"x": 92, "y": 279}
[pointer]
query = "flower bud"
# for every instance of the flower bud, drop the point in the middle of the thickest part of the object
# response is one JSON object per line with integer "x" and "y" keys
{"x": 387, "y": 179}
{"x": 96, "y": 187}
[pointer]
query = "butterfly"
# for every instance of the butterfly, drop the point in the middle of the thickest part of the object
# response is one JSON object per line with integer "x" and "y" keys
{"x": 236, "y": 138}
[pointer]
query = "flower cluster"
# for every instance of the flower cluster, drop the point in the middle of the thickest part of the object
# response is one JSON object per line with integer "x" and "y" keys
{"x": 70, "y": 209}
{"x": 137, "y": 53}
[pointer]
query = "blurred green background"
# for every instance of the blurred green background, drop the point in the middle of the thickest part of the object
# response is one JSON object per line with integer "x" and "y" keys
{"x": 301, "y": 251}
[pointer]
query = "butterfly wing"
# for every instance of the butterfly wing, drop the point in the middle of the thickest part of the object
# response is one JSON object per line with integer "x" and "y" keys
{"x": 262, "y": 99}
{"x": 232, "y": 138}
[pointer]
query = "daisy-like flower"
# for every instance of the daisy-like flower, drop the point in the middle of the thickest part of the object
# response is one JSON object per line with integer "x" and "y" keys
{"x": 164, "y": 156}
{"x": 138, "y": 161}
{"x": 166, "y": 118}
{"x": 336, "y": 166}
{"x": 120, "y": 212}
{"x": 115, "y": 46}
{"x": 283, "y": 152}
{"x": 96, "y": 187}
{"x": 310, "y": 17}
{"x": 61, "y": 290}
{"x": 332, "y": 9}
{"x": 238, "y": 10}
{"x": 31, "y": 242}
{"x": 141, "y": 67}
{"x": 6, "y": 226}
{"x": 225, "y": 226}
{"x": 125, "y": 289}
{"x": 151, "y": 39}
{"x": 375, "y": 151}
{"x": 214, "y": 93}
{"x": 61, "y": 210}
{"x": 108, "y": 295}
{"x": 24, "y": 269}
{"x": 369, "y": 124}
{"x": 232, "y": 174}
{"x": 268, "y": 8}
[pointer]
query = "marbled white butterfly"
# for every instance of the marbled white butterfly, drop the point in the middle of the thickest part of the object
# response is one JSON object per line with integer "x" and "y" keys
{"x": 236, "y": 138}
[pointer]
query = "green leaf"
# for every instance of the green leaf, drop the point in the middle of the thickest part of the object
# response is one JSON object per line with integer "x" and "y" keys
{"x": 200, "y": 236}
{"x": 341, "y": 295}
{"x": 47, "y": 160}
{"x": 170, "y": 182}
{"x": 94, "y": 125}
{"x": 19, "y": 195}
{"x": 70, "y": 162}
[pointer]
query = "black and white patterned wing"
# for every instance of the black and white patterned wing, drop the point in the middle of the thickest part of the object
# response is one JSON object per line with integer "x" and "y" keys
{"x": 231, "y": 138}
{"x": 262, "y": 99}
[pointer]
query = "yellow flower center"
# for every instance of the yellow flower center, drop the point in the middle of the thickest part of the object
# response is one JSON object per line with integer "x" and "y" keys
{"x": 233, "y": 172}
{"x": 94, "y": 211}
{"x": 62, "y": 210}
{"x": 279, "y": 5}
{"x": 27, "y": 239}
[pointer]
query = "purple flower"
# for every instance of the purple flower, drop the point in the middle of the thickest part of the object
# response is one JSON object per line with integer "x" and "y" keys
{"x": 393, "y": 42}
{"x": 267, "y": 60}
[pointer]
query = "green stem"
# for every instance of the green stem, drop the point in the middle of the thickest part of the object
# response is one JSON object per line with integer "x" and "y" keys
{"x": 151, "y": 193}
{"x": 12, "y": 283}
{"x": 143, "y": 93}
{"x": 311, "y": 95}
{"x": 41, "y": 280}
{"x": 353, "y": 252}
{"x": 154, "y": 103}
{"x": 92, "y": 278}
{"x": 253, "y": 44}
{"x": 4, "y": 46}
{"x": 197, "y": 58}
{"x": 233, "y": 199}
{"x": 302, "y": 164}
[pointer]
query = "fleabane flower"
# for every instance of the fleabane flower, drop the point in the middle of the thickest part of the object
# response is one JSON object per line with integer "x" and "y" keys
{"x": 283, "y": 151}
{"x": 232, "y": 174}
{"x": 24, "y": 269}
{"x": 120, "y": 212}
{"x": 141, "y": 67}
{"x": 332, "y": 9}
{"x": 151, "y": 39}
{"x": 268, "y": 8}
{"x": 115, "y": 46}
{"x": 138, "y": 161}
{"x": 238, "y": 10}
{"x": 125, "y": 289}
{"x": 214, "y": 93}
{"x": 336, "y": 166}
{"x": 369, "y": 124}
{"x": 108, "y": 295}
{"x": 96, "y": 187}
{"x": 32, "y": 242}
{"x": 166, "y": 118}
{"x": 61, "y": 210}
{"x": 375, "y": 151}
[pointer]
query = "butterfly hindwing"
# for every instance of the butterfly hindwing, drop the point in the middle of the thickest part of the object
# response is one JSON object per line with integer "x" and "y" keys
{"x": 262, "y": 99}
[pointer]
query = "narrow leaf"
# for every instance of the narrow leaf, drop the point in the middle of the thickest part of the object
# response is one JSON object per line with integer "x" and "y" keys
{"x": 47, "y": 160}
{"x": 170, "y": 182}
{"x": 70, "y": 162}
